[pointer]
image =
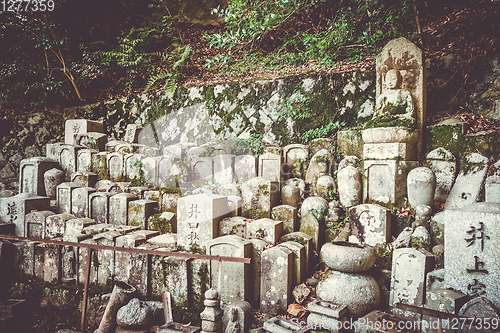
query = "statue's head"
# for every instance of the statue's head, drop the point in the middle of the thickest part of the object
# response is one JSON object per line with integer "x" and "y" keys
{"x": 392, "y": 79}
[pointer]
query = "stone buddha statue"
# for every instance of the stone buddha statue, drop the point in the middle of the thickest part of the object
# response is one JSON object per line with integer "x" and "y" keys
{"x": 394, "y": 106}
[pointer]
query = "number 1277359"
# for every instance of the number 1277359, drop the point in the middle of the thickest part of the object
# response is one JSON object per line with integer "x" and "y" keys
{"x": 26, "y": 5}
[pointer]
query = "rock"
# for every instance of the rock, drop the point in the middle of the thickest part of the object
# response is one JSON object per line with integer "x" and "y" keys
{"x": 300, "y": 183}
{"x": 344, "y": 288}
{"x": 404, "y": 239}
{"x": 135, "y": 314}
{"x": 438, "y": 249}
{"x": 437, "y": 228}
{"x": 322, "y": 163}
{"x": 326, "y": 188}
{"x": 290, "y": 195}
{"x": 421, "y": 184}
{"x": 312, "y": 281}
{"x": 315, "y": 205}
{"x": 349, "y": 186}
{"x": 350, "y": 161}
{"x": 421, "y": 239}
{"x": 348, "y": 257}
{"x": 300, "y": 293}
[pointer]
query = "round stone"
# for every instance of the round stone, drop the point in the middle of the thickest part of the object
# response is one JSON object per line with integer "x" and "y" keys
{"x": 349, "y": 186}
{"x": 421, "y": 239}
{"x": 359, "y": 292}
{"x": 315, "y": 205}
{"x": 348, "y": 257}
{"x": 290, "y": 195}
{"x": 134, "y": 315}
{"x": 421, "y": 185}
{"x": 326, "y": 188}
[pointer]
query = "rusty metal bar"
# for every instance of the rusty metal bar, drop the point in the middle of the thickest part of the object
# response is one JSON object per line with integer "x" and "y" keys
{"x": 86, "y": 288}
{"x": 128, "y": 249}
{"x": 428, "y": 312}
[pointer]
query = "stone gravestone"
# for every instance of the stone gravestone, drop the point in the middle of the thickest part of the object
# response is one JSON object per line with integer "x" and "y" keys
{"x": 468, "y": 185}
{"x": 258, "y": 246}
{"x": 92, "y": 140}
{"x": 270, "y": 167}
{"x": 100, "y": 165}
{"x": 322, "y": 163}
{"x": 84, "y": 178}
{"x": 165, "y": 170}
{"x": 132, "y": 133}
{"x": 52, "y": 179}
{"x": 421, "y": 186}
{"x": 99, "y": 206}
{"x": 150, "y": 168}
{"x": 299, "y": 264}
{"x": 259, "y": 195}
{"x": 74, "y": 127}
{"x": 35, "y": 223}
{"x": 265, "y": 229}
{"x": 203, "y": 170}
{"x": 288, "y": 215}
{"x": 349, "y": 186}
{"x": 80, "y": 201}
{"x": 483, "y": 310}
{"x": 443, "y": 300}
{"x": 409, "y": 269}
{"x": 443, "y": 164}
{"x": 245, "y": 168}
{"x": 403, "y": 55}
{"x": 116, "y": 167}
{"x": 84, "y": 159}
{"x": 296, "y": 159}
{"x": 67, "y": 159}
{"x": 236, "y": 280}
{"x": 139, "y": 211}
{"x": 31, "y": 174}
{"x": 64, "y": 197}
{"x": 471, "y": 250}
{"x": 492, "y": 189}
{"x": 369, "y": 224}
{"x": 131, "y": 164}
{"x": 305, "y": 240}
{"x": 276, "y": 280}
{"x": 224, "y": 169}
{"x": 118, "y": 208}
{"x": 198, "y": 218}
{"x": 14, "y": 209}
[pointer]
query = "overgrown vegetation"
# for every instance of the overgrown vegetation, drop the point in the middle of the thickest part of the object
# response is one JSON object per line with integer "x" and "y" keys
{"x": 81, "y": 52}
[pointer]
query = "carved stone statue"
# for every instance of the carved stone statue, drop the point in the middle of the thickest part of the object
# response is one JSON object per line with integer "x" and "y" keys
{"x": 234, "y": 325}
{"x": 394, "y": 105}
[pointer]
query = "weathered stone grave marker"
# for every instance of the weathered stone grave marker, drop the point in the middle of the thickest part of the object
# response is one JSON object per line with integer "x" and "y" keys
{"x": 31, "y": 174}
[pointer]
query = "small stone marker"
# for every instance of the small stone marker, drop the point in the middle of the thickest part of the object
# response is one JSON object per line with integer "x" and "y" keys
{"x": 99, "y": 206}
{"x": 132, "y": 133}
{"x": 288, "y": 215}
{"x": 299, "y": 265}
{"x": 385, "y": 181}
{"x": 369, "y": 224}
{"x": 290, "y": 195}
{"x": 139, "y": 211}
{"x": 421, "y": 184}
{"x": 56, "y": 224}
{"x": 74, "y": 127}
{"x": 468, "y": 185}
{"x": 64, "y": 197}
{"x": 84, "y": 178}
{"x": 326, "y": 187}
{"x": 203, "y": 170}
{"x": 326, "y": 315}
{"x": 224, "y": 169}
{"x": 75, "y": 226}
{"x": 443, "y": 164}
{"x": 322, "y": 163}
{"x": 259, "y": 196}
{"x": 118, "y": 208}
{"x": 106, "y": 258}
{"x": 448, "y": 301}
{"x": 84, "y": 159}
{"x": 409, "y": 269}
{"x": 276, "y": 279}
{"x": 296, "y": 156}
{"x": 198, "y": 218}
{"x": 116, "y": 167}
{"x": 174, "y": 280}
{"x": 131, "y": 164}
{"x": 235, "y": 225}
{"x": 265, "y": 229}
{"x": 92, "y": 140}
{"x": 100, "y": 165}
{"x": 310, "y": 225}
{"x": 236, "y": 283}
{"x": 492, "y": 189}
{"x": 52, "y": 179}
{"x": 211, "y": 317}
{"x": 258, "y": 247}
{"x": 67, "y": 159}
{"x": 31, "y": 174}
{"x": 270, "y": 167}
{"x": 305, "y": 240}
{"x": 350, "y": 186}
{"x": 245, "y": 168}
{"x": 14, "y": 209}
{"x": 471, "y": 250}
{"x": 36, "y": 223}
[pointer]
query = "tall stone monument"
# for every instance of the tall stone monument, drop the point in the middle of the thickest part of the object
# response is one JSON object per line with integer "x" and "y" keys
{"x": 393, "y": 137}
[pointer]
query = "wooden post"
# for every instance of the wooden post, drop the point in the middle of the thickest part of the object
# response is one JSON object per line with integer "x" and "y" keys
{"x": 86, "y": 288}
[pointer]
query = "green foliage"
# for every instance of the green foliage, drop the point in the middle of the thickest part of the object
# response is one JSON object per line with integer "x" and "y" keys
{"x": 141, "y": 180}
{"x": 248, "y": 20}
{"x": 254, "y": 143}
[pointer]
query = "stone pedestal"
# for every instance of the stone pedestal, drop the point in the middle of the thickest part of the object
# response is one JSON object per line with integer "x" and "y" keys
{"x": 211, "y": 317}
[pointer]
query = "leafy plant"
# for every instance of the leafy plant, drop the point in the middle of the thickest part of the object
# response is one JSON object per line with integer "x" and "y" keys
{"x": 254, "y": 143}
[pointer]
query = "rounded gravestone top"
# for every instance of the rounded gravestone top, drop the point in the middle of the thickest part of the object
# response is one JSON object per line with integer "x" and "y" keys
{"x": 350, "y": 160}
{"x": 211, "y": 294}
